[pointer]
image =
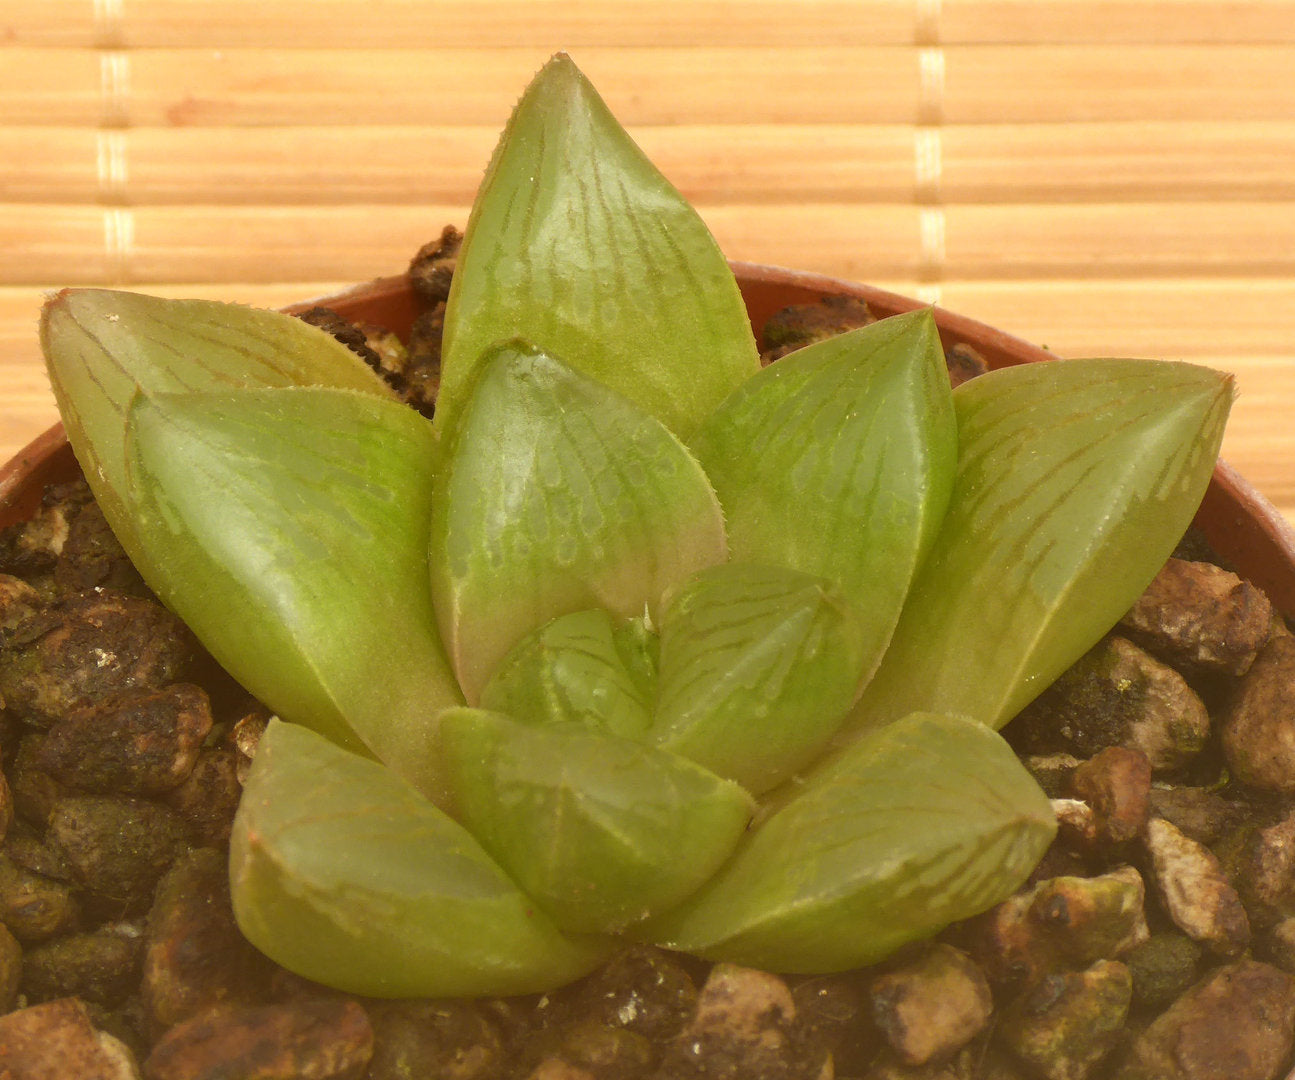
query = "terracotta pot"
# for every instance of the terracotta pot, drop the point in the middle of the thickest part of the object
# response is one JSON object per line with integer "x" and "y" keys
{"x": 1240, "y": 523}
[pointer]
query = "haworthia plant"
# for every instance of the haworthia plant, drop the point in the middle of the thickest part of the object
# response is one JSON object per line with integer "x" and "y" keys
{"x": 634, "y": 641}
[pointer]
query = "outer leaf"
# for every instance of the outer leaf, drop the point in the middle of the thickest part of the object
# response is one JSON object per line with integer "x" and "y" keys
{"x": 599, "y": 830}
{"x": 288, "y": 529}
{"x": 572, "y": 669}
{"x": 577, "y": 243}
{"x": 342, "y": 873}
{"x": 927, "y": 821}
{"x": 838, "y": 461}
{"x": 759, "y": 667}
{"x": 558, "y": 495}
{"x": 102, "y": 348}
{"x": 1075, "y": 480}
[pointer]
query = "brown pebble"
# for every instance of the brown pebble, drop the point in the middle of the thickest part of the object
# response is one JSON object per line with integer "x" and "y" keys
{"x": 18, "y": 602}
{"x": 1116, "y": 694}
{"x": 57, "y": 1041}
{"x": 1200, "y": 615}
{"x": 931, "y": 1007}
{"x": 1259, "y": 723}
{"x": 195, "y": 959}
{"x": 432, "y": 267}
{"x": 319, "y": 1040}
{"x": 134, "y": 742}
{"x": 117, "y": 848}
{"x": 1196, "y": 892}
{"x": 1064, "y": 1025}
{"x": 92, "y": 645}
{"x": 208, "y": 798}
{"x": 32, "y": 906}
{"x": 1238, "y": 1023}
{"x": 1091, "y": 918}
{"x": 643, "y": 990}
{"x": 743, "y": 1020}
{"x": 33, "y": 790}
{"x": 448, "y": 1040}
{"x": 101, "y": 966}
{"x": 10, "y": 969}
{"x": 1116, "y": 783}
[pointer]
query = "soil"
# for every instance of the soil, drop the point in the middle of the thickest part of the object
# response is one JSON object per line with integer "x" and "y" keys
{"x": 1156, "y": 939}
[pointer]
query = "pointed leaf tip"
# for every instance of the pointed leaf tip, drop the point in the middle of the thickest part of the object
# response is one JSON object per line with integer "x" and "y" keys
{"x": 578, "y": 243}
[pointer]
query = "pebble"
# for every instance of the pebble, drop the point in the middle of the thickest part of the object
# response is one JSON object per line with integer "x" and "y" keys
{"x": 642, "y": 990}
{"x": 133, "y": 742}
{"x": 117, "y": 848}
{"x": 1202, "y": 814}
{"x": 1117, "y": 694}
{"x": 309, "y": 1040}
{"x": 10, "y": 969}
{"x": 208, "y": 797}
{"x": 1162, "y": 967}
{"x": 1202, "y": 616}
{"x": 1236, "y": 1024}
{"x": 740, "y": 1027}
{"x": 195, "y": 959}
{"x": 447, "y": 1040}
{"x": 1092, "y": 918}
{"x": 933, "y": 1006}
{"x": 101, "y": 966}
{"x": 1196, "y": 892}
{"x": 34, "y": 907}
{"x": 1116, "y": 783}
{"x": 1064, "y": 1025}
{"x": 1259, "y": 722}
{"x": 832, "y": 1011}
{"x": 1061, "y": 921}
{"x": 1263, "y": 866}
{"x": 96, "y": 644}
{"x": 18, "y": 602}
{"x": 57, "y": 1041}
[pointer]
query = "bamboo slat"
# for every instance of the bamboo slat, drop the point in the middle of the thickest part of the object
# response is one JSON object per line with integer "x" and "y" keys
{"x": 872, "y": 241}
{"x": 1000, "y": 163}
{"x": 381, "y": 24}
{"x": 794, "y": 85}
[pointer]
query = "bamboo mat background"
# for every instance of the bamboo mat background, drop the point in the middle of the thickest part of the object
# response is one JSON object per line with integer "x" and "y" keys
{"x": 1100, "y": 176}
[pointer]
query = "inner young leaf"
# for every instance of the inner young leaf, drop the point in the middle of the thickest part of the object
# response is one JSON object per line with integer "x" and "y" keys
{"x": 574, "y": 669}
{"x": 557, "y": 495}
{"x": 759, "y": 666}
{"x": 577, "y": 243}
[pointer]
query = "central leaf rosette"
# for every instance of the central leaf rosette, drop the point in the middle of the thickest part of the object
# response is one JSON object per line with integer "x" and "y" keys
{"x": 636, "y": 640}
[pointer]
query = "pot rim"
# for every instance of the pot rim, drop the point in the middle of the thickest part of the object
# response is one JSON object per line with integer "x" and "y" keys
{"x": 1236, "y": 518}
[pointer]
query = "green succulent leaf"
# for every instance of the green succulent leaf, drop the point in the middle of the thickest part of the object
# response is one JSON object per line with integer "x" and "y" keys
{"x": 759, "y": 667}
{"x": 1075, "y": 481}
{"x": 558, "y": 495}
{"x": 929, "y": 820}
{"x": 288, "y": 528}
{"x": 577, "y": 243}
{"x": 601, "y": 831}
{"x": 344, "y": 874}
{"x": 575, "y": 669}
{"x": 838, "y": 461}
{"x": 103, "y": 347}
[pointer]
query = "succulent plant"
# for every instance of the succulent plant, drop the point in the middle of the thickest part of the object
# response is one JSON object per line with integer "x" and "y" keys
{"x": 634, "y": 640}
